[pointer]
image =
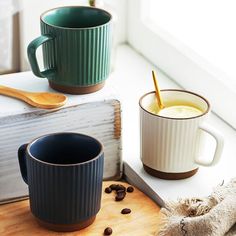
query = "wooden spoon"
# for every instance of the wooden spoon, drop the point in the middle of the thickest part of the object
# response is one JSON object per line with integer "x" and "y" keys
{"x": 158, "y": 94}
{"x": 42, "y": 99}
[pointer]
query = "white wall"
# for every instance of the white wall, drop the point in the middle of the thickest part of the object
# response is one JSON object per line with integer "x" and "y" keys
{"x": 30, "y": 23}
{"x": 9, "y": 41}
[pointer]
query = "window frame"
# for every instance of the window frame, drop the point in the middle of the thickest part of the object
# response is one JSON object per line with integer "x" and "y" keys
{"x": 179, "y": 62}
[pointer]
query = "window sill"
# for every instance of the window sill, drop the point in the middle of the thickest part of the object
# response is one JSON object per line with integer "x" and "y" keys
{"x": 132, "y": 78}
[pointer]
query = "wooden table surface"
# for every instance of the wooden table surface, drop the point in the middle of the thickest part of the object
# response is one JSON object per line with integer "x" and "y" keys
{"x": 16, "y": 218}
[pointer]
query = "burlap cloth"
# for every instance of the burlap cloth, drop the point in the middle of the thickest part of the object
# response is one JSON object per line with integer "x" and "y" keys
{"x": 214, "y": 215}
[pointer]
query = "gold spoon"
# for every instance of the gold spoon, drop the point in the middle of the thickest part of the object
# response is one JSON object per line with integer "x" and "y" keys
{"x": 158, "y": 94}
{"x": 42, "y": 99}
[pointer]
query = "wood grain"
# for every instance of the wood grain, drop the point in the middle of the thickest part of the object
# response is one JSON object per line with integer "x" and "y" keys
{"x": 16, "y": 219}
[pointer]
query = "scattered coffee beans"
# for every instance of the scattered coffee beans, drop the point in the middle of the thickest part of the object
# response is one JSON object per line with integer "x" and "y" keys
{"x": 130, "y": 189}
{"x": 126, "y": 211}
{"x": 108, "y": 231}
{"x": 108, "y": 190}
{"x": 120, "y": 191}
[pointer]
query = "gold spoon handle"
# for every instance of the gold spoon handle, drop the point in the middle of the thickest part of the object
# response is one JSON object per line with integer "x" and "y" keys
{"x": 158, "y": 93}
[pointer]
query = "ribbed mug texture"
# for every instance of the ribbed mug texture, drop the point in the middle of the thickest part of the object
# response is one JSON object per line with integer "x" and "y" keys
{"x": 171, "y": 145}
{"x": 65, "y": 194}
{"x": 64, "y": 173}
{"x": 81, "y": 57}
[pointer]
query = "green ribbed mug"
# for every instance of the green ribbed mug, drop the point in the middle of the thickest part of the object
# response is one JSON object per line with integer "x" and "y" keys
{"x": 76, "y": 45}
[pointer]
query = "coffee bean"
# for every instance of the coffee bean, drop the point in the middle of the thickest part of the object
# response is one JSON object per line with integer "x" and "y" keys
{"x": 120, "y": 197}
{"x": 108, "y": 190}
{"x": 121, "y": 191}
{"x": 125, "y": 211}
{"x": 130, "y": 189}
{"x": 113, "y": 186}
{"x": 108, "y": 231}
{"x": 120, "y": 187}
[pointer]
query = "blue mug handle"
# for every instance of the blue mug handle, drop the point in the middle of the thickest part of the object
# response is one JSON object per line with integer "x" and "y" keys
{"x": 22, "y": 161}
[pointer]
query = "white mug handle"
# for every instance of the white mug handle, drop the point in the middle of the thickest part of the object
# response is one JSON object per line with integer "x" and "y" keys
{"x": 219, "y": 144}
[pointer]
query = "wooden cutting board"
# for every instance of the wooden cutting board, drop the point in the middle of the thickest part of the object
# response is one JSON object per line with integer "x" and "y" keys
{"x": 16, "y": 219}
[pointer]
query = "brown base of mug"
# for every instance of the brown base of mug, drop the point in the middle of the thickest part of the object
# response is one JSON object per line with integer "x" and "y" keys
{"x": 76, "y": 90}
{"x": 66, "y": 227}
{"x": 169, "y": 176}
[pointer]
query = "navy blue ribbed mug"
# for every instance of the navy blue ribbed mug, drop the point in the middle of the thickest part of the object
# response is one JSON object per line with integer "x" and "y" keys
{"x": 64, "y": 173}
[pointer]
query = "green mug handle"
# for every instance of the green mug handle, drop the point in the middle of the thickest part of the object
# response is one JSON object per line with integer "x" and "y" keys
{"x": 31, "y": 51}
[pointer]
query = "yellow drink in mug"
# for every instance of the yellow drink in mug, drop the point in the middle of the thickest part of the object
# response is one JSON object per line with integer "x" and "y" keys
{"x": 175, "y": 109}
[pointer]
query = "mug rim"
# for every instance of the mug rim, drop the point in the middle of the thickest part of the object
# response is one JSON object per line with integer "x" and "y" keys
{"x": 64, "y": 165}
{"x": 69, "y": 28}
{"x": 176, "y": 118}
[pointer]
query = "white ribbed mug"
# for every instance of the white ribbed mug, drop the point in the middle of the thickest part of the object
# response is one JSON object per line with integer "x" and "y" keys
{"x": 170, "y": 147}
